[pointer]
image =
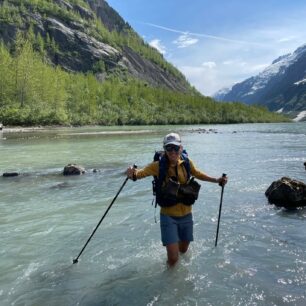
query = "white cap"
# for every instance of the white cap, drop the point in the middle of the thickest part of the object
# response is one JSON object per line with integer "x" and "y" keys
{"x": 172, "y": 138}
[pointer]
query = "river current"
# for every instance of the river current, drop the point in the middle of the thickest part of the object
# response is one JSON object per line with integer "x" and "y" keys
{"x": 46, "y": 218}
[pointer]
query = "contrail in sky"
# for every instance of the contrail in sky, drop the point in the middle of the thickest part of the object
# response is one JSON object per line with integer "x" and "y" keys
{"x": 199, "y": 34}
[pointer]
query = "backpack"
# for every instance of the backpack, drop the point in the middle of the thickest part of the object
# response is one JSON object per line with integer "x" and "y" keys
{"x": 158, "y": 181}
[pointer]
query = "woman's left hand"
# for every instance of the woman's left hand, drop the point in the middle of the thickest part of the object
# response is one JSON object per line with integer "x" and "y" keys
{"x": 222, "y": 181}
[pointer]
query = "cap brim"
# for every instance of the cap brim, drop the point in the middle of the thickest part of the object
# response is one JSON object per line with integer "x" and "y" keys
{"x": 173, "y": 143}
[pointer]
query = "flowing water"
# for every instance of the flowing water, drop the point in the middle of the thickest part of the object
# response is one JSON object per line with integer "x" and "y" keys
{"x": 45, "y": 219}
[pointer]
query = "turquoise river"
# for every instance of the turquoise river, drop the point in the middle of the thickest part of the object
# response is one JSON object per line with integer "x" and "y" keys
{"x": 45, "y": 219}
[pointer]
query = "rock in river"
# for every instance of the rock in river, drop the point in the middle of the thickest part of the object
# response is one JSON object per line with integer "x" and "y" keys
{"x": 287, "y": 193}
{"x": 10, "y": 174}
{"x": 73, "y": 169}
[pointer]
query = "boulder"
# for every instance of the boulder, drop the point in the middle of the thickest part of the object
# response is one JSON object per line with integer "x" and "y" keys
{"x": 73, "y": 169}
{"x": 287, "y": 193}
{"x": 10, "y": 174}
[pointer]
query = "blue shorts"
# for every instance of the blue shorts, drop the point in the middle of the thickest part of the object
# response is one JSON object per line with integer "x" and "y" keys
{"x": 176, "y": 229}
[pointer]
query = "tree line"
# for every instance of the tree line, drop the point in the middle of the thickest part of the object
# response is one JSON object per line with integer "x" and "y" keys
{"x": 33, "y": 92}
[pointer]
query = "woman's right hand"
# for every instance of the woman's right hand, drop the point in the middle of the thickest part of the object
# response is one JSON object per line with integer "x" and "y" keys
{"x": 131, "y": 172}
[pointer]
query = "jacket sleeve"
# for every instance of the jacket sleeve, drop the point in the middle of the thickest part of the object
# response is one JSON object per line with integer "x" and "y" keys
{"x": 151, "y": 169}
{"x": 196, "y": 172}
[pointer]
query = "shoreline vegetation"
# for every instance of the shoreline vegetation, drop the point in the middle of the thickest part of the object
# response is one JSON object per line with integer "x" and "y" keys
{"x": 35, "y": 93}
{"x": 96, "y": 129}
{"x": 42, "y": 129}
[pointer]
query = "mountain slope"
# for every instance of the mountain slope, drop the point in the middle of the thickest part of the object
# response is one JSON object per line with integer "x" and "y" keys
{"x": 78, "y": 62}
{"x": 280, "y": 87}
{"x": 88, "y": 36}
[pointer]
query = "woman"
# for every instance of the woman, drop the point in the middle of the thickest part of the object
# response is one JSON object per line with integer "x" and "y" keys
{"x": 176, "y": 211}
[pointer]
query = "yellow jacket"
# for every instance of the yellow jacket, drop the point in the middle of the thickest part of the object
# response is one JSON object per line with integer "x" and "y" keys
{"x": 178, "y": 210}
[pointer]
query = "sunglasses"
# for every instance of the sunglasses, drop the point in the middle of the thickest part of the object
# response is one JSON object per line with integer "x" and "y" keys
{"x": 170, "y": 148}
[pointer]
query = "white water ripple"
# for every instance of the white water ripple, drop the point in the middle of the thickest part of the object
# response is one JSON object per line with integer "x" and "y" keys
{"x": 47, "y": 218}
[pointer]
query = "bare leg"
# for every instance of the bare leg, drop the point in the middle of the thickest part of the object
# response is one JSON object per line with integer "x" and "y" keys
{"x": 183, "y": 246}
{"x": 172, "y": 253}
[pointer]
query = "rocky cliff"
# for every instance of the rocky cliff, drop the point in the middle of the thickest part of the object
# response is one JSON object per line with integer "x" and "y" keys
{"x": 89, "y": 36}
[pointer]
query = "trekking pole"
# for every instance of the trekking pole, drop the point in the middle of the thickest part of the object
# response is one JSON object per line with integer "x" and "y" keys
{"x": 220, "y": 207}
{"x": 109, "y": 207}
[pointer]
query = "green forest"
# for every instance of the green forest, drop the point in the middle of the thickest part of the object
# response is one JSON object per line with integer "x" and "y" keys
{"x": 14, "y": 12}
{"x": 33, "y": 92}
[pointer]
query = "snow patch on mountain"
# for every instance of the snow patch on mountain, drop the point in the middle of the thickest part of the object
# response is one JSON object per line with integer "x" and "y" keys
{"x": 300, "y": 82}
{"x": 278, "y": 66}
{"x": 281, "y": 58}
{"x": 281, "y": 86}
{"x": 300, "y": 116}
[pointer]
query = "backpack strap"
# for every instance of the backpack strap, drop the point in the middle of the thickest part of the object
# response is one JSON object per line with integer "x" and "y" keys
{"x": 162, "y": 169}
{"x": 185, "y": 158}
{"x": 158, "y": 180}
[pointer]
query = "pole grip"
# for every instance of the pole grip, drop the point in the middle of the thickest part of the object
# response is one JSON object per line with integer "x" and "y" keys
{"x": 223, "y": 175}
{"x": 134, "y": 173}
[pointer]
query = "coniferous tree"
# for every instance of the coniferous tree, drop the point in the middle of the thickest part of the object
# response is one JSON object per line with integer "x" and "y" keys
{"x": 6, "y": 84}
{"x": 33, "y": 92}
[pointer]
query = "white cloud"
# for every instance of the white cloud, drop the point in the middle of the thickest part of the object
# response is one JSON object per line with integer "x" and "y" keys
{"x": 185, "y": 40}
{"x": 156, "y": 43}
{"x": 235, "y": 63}
{"x": 287, "y": 39}
{"x": 209, "y": 65}
{"x": 206, "y": 83}
{"x": 258, "y": 67}
{"x": 209, "y": 77}
{"x": 219, "y": 61}
{"x": 244, "y": 67}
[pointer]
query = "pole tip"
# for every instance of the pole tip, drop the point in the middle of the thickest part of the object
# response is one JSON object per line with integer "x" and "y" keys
{"x": 75, "y": 261}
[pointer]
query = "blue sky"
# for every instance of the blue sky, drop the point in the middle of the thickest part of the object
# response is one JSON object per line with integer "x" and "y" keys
{"x": 218, "y": 43}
